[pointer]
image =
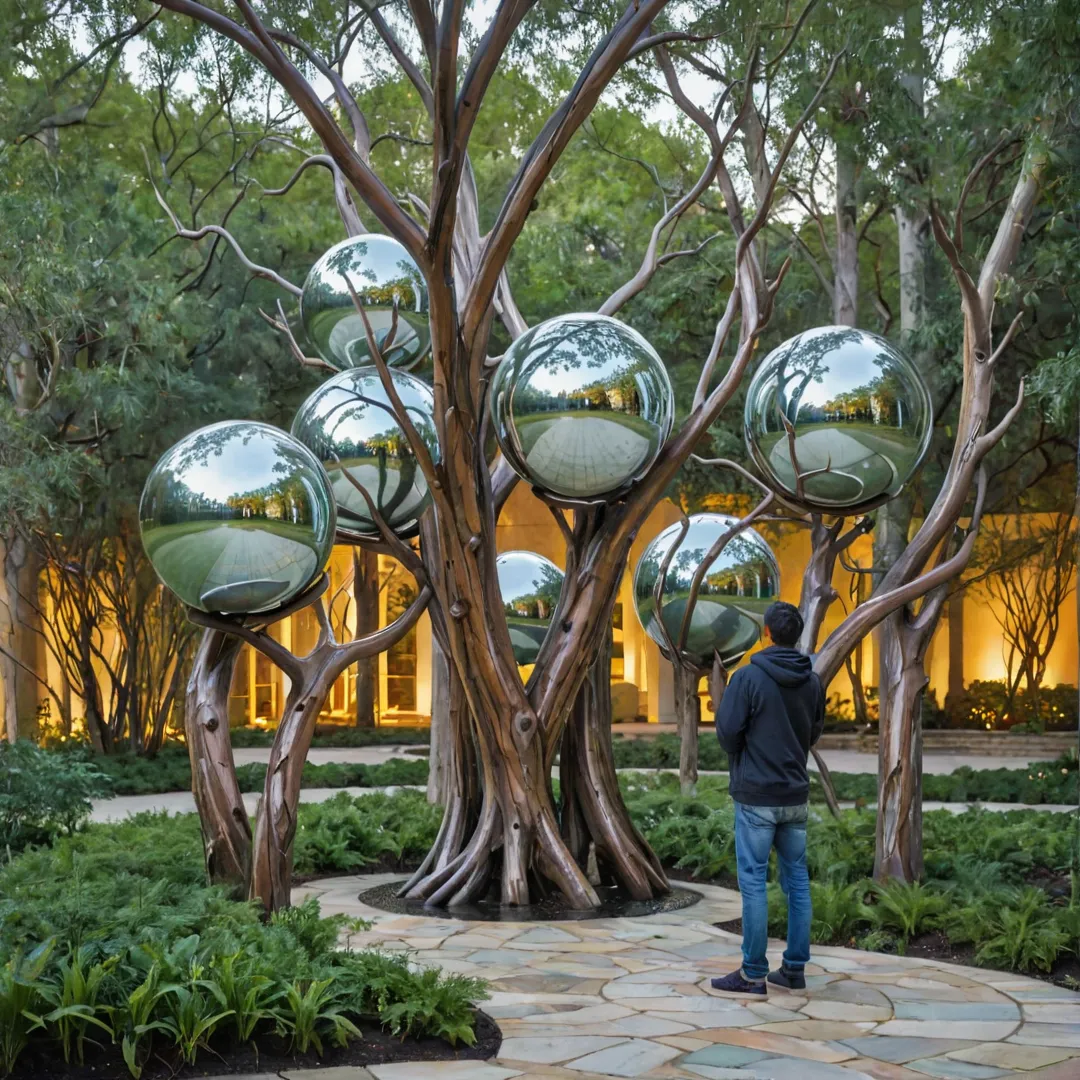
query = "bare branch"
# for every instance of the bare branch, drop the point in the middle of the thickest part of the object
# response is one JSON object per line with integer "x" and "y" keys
{"x": 218, "y": 230}
{"x": 281, "y": 325}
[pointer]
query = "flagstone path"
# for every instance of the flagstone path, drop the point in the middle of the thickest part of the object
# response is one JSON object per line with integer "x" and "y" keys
{"x": 631, "y": 998}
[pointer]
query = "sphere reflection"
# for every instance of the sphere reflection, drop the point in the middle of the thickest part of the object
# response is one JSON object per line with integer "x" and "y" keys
{"x": 530, "y": 587}
{"x": 741, "y": 583}
{"x": 861, "y": 415}
{"x": 581, "y": 405}
{"x": 380, "y": 270}
{"x": 237, "y": 518}
{"x": 349, "y": 424}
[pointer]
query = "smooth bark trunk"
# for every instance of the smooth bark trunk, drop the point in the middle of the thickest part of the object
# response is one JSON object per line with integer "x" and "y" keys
{"x": 594, "y": 817}
{"x": 898, "y": 851}
{"x": 225, "y": 827}
{"x": 446, "y": 697}
{"x": 275, "y": 820}
{"x": 687, "y": 717}
{"x": 22, "y": 658}
{"x": 846, "y": 273}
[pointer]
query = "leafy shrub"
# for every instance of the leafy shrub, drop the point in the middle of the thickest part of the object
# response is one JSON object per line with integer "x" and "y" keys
{"x": 907, "y": 908}
{"x": 330, "y": 735}
{"x": 43, "y": 795}
{"x": 170, "y": 770}
{"x": 985, "y": 704}
{"x": 113, "y": 935}
{"x": 662, "y": 752}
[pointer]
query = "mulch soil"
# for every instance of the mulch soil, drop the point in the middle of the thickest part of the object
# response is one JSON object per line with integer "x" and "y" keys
{"x": 377, "y": 1047}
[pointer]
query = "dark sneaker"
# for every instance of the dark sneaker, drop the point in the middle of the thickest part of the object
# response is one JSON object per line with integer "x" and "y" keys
{"x": 736, "y": 984}
{"x": 788, "y": 980}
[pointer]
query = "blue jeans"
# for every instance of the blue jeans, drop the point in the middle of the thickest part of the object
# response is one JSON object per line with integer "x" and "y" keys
{"x": 758, "y": 829}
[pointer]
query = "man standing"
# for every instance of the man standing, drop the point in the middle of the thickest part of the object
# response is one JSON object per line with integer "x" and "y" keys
{"x": 771, "y": 713}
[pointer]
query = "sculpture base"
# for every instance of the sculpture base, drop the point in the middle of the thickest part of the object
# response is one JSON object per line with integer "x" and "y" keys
{"x": 613, "y": 905}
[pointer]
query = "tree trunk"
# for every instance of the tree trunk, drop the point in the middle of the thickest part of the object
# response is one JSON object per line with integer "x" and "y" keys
{"x": 446, "y": 700}
{"x": 275, "y": 820}
{"x": 846, "y": 277}
{"x": 366, "y": 597}
{"x": 21, "y": 643}
{"x": 594, "y": 816}
{"x": 687, "y": 718}
{"x": 225, "y": 826}
{"x": 898, "y": 851}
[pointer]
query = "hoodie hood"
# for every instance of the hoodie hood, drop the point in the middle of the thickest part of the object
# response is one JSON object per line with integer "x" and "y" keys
{"x": 785, "y": 666}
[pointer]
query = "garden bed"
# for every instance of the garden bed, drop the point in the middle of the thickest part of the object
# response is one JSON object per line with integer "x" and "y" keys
{"x": 375, "y": 1046}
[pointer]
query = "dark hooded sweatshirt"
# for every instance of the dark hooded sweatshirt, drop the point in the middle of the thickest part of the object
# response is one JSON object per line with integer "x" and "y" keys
{"x": 771, "y": 713}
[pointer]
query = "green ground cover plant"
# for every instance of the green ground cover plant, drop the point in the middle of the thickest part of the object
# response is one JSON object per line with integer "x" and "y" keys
{"x": 999, "y": 883}
{"x": 111, "y": 936}
{"x": 170, "y": 770}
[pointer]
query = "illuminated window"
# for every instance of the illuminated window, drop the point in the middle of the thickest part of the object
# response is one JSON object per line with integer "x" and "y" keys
{"x": 401, "y": 658}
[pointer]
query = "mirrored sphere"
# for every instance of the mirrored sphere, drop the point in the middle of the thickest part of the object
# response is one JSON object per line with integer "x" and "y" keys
{"x": 581, "y": 405}
{"x": 379, "y": 269}
{"x": 237, "y": 518}
{"x": 530, "y": 587}
{"x": 741, "y": 583}
{"x": 349, "y": 424}
{"x": 861, "y": 414}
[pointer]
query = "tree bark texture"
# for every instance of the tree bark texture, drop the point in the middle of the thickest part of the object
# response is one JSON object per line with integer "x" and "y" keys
{"x": 688, "y": 717}
{"x": 22, "y": 653}
{"x": 446, "y": 699}
{"x": 594, "y": 815}
{"x": 225, "y": 826}
{"x": 898, "y": 851}
{"x": 846, "y": 279}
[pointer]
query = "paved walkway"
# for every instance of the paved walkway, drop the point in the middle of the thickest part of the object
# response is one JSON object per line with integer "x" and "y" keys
{"x": 631, "y": 998}
{"x": 182, "y": 802}
{"x": 852, "y": 761}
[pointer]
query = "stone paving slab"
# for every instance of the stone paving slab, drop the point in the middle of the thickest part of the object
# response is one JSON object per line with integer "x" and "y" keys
{"x": 631, "y": 998}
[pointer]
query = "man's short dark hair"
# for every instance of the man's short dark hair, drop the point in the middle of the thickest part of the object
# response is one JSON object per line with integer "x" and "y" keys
{"x": 784, "y": 622}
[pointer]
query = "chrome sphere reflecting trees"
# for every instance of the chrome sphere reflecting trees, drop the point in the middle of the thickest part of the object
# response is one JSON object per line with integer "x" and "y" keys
{"x": 861, "y": 416}
{"x": 530, "y": 587}
{"x": 741, "y": 583}
{"x": 349, "y": 424}
{"x": 380, "y": 270}
{"x": 237, "y": 518}
{"x": 581, "y": 405}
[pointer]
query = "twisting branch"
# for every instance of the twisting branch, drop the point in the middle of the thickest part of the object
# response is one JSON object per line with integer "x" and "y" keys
{"x": 281, "y": 325}
{"x": 652, "y": 258}
{"x": 401, "y": 414}
{"x": 346, "y": 207}
{"x": 711, "y": 556}
{"x": 540, "y": 158}
{"x": 256, "y": 40}
{"x": 218, "y": 230}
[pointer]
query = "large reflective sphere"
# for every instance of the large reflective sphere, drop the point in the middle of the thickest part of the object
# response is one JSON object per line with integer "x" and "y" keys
{"x": 530, "y": 587}
{"x": 349, "y": 424}
{"x": 237, "y": 518}
{"x": 380, "y": 270}
{"x": 741, "y": 583}
{"x": 861, "y": 414}
{"x": 581, "y": 405}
